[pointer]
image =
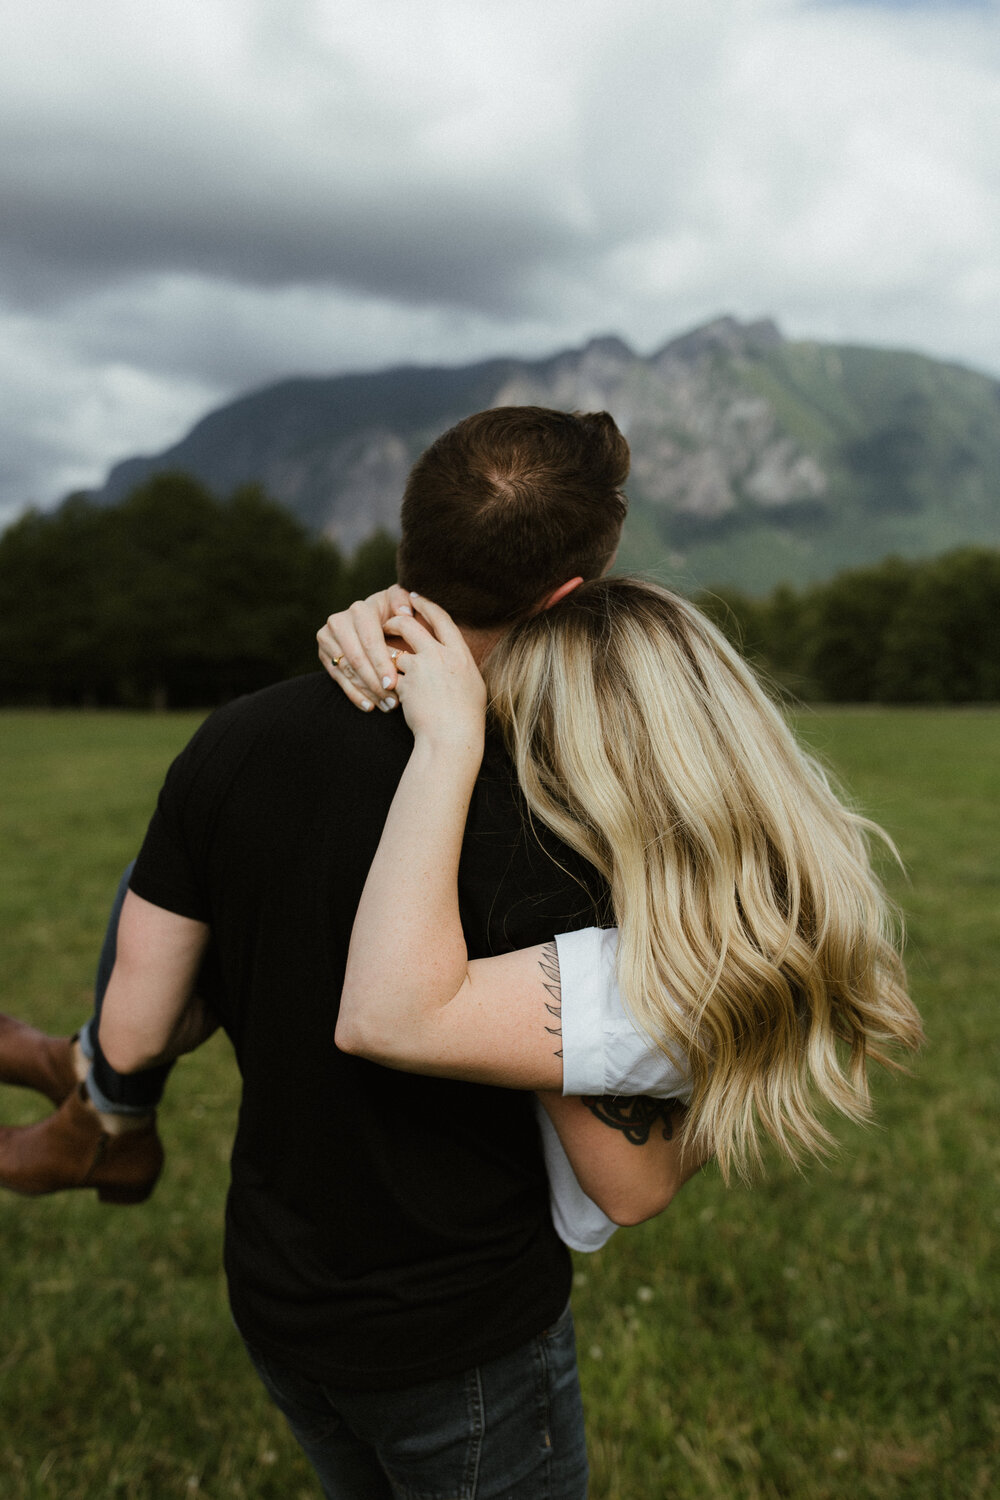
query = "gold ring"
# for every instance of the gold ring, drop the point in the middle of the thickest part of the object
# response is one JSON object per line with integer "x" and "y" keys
{"x": 338, "y": 659}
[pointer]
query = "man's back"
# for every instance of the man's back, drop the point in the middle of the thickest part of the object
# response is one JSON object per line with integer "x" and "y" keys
{"x": 382, "y": 1228}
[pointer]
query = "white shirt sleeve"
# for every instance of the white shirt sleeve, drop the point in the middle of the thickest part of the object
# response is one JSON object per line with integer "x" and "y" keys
{"x": 579, "y": 1222}
{"x": 604, "y": 1052}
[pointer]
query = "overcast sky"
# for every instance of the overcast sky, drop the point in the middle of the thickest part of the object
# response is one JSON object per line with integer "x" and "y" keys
{"x": 200, "y": 196}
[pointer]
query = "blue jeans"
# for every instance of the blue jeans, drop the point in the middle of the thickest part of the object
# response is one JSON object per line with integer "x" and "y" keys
{"x": 511, "y": 1429}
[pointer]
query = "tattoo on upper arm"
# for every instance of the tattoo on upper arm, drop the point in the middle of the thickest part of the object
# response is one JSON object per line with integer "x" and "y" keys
{"x": 636, "y": 1117}
{"x": 549, "y": 965}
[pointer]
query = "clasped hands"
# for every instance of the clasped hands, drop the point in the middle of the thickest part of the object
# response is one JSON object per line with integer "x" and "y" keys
{"x": 395, "y": 647}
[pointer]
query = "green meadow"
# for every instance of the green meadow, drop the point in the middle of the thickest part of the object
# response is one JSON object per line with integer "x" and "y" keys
{"x": 830, "y": 1335}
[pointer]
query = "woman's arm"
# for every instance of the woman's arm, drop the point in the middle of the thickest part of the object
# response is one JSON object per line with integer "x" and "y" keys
{"x": 411, "y": 998}
{"x": 626, "y": 1154}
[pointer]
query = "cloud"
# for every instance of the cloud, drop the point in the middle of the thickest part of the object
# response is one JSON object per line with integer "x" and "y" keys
{"x": 237, "y": 339}
{"x": 366, "y": 157}
{"x": 61, "y": 412}
{"x": 207, "y": 195}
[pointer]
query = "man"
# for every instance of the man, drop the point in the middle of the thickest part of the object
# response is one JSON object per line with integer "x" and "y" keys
{"x": 391, "y": 1260}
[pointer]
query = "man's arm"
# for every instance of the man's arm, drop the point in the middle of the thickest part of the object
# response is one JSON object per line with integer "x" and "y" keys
{"x": 150, "y": 1013}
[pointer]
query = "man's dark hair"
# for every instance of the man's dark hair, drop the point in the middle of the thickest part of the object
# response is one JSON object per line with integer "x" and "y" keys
{"x": 509, "y": 504}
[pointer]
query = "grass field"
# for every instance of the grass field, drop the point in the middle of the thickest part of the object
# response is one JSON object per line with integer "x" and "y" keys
{"x": 830, "y": 1336}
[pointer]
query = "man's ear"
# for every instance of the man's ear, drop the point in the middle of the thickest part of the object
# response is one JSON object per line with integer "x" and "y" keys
{"x": 559, "y": 593}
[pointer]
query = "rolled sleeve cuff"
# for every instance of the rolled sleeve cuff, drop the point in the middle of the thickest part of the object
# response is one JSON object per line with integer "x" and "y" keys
{"x": 582, "y": 962}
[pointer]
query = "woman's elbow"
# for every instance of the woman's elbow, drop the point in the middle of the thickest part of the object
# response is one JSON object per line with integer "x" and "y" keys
{"x": 350, "y": 1037}
{"x": 359, "y": 1038}
{"x": 628, "y": 1207}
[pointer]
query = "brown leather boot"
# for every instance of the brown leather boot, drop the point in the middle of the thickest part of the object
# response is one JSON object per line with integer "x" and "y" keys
{"x": 36, "y": 1061}
{"x": 72, "y": 1149}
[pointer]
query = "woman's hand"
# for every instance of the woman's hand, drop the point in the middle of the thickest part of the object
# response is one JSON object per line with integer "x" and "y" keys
{"x": 354, "y": 650}
{"x": 438, "y": 682}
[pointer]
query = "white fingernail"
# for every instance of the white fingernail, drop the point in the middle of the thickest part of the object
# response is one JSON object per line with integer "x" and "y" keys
{"x": 404, "y": 609}
{"x": 366, "y": 705}
{"x": 387, "y": 705}
{"x": 387, "y": 682}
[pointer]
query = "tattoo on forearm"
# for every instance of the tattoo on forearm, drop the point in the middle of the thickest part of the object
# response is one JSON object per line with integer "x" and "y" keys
{"x": 549, "y": 965}
{"x": 635, "y": 1118}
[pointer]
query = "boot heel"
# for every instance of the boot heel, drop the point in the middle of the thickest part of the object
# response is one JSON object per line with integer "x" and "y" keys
{"x": 124, "y": 1194}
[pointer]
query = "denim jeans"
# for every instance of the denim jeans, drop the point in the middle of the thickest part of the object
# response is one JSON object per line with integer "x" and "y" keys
{"x": 510, "y": 1429}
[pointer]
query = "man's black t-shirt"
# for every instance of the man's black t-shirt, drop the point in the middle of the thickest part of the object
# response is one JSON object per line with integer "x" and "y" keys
{"x": 382, "y": 1228}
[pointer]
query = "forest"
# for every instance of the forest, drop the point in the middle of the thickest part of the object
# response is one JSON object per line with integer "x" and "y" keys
{"x": 903, "y": 631}
{"x": 173, "y": 598}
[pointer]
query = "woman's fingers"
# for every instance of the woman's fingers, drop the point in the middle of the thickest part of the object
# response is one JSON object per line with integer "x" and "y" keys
{"x": 367, "y": 652}
{"x": 413, "y": 633}
{"x": 359, "y": 698}
{"x": 439, "y": 620}
{"x": 360, "y": 646}
{"x": 327, "y": 643}
{"x": 377, "y": 668}
{"x": 396, "y": 601}
{"x": 353, "y": 648}
{"x": 436, "y": 624}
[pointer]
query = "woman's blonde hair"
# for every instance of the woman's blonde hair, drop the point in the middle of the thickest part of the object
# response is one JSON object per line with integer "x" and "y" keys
{"x": 756, "y": 942}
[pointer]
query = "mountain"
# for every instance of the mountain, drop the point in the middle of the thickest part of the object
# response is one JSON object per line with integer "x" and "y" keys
{"x": 756, "y": 459}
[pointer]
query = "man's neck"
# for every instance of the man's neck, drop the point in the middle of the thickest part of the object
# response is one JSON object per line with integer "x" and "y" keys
{"x": 480, "y": 642}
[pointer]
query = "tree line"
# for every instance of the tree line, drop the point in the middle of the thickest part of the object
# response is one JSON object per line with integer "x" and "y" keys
{"x": 176, "y": 598}
{"x": 904, "y": 631}
{"x": 171, "y": 598}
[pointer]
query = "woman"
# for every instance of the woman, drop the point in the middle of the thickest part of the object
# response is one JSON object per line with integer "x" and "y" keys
{"x": 757, "y": 955}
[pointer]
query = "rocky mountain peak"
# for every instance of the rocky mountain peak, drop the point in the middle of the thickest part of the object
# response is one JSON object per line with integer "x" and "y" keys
{"x": 725, "y": 335}
{"x": 608, "y": 346}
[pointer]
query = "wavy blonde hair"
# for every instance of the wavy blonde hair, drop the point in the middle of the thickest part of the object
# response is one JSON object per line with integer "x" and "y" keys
{"x": 756, "y": 944}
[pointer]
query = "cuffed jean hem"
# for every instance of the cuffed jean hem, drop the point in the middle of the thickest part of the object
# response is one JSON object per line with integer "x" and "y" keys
{"x": 100, "y": 1100}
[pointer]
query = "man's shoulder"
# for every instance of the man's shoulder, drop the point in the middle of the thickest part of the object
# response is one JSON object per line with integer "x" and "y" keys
{"x": 301, "y": 728}
{"x": 236, "y": 725}
{"x": 310, "y": 704}
{"x": 294, "y": 695}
